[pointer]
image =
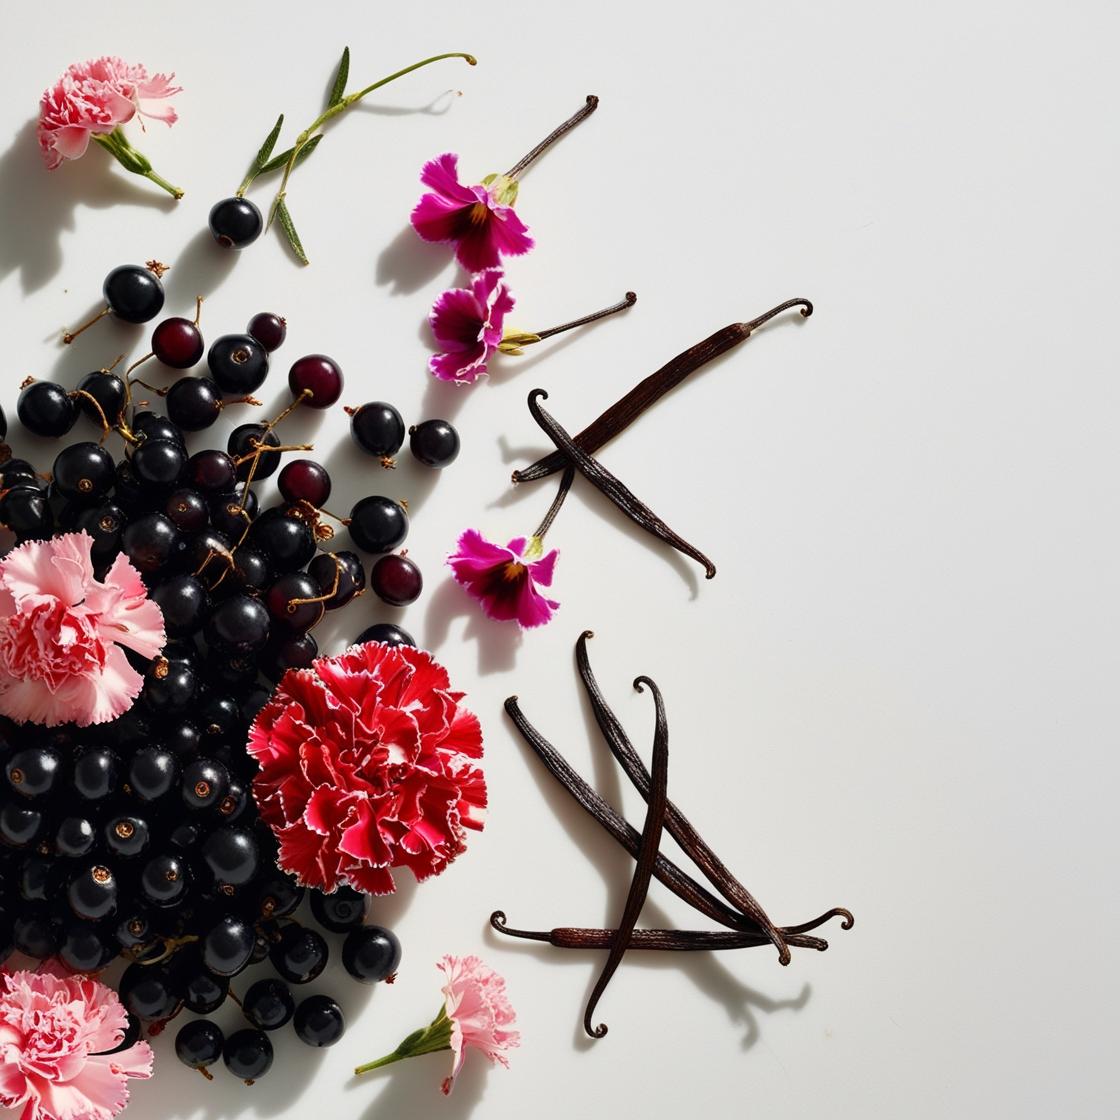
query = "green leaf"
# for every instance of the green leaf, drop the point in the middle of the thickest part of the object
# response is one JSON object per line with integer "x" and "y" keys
{"x": 290, "y": 231}
{"x": 339, "y": 87}
{"x": 268, "y": 145}
{"x": 279, "y": 161}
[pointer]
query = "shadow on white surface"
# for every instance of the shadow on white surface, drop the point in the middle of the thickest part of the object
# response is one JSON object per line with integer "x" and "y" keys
{"x": 408, "y": 264}
{"x": 39, "y": 205}
{"x": 404, "y": 1089}
{"x": 497, "y": 642}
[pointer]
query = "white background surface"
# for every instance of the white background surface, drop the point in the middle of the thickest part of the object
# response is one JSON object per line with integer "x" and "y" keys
{"x": 894, "y": 696}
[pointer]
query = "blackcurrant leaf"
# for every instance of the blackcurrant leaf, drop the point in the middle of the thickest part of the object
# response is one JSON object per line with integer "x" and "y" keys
{"x": 279, "y": 161}
{"x": 269, "y": 143}
{"x": 339, "y": 87}
{"x": 290, "y": 231}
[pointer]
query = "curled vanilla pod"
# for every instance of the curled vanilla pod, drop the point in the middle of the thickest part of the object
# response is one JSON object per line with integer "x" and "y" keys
{"x": 649, "y": 391}
{"x": 610, "y": 486}
{"x": 746, "y": 922}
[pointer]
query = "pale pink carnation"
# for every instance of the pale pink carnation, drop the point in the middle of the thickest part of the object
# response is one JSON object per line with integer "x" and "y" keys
{"x": 480, "y": 1012}
{"x": 54, "y": 1036}
{"x": 61, "y": 633}
{"x": 95, "y": 97}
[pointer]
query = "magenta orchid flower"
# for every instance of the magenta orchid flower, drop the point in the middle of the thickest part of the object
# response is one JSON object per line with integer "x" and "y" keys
{"x": 478, "y": 220}
{"x": 506, "y": 580}
{"x": 467, "y": 324}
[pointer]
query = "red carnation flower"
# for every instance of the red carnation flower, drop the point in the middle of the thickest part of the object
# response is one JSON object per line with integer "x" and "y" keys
{"x": 366, "y": 764}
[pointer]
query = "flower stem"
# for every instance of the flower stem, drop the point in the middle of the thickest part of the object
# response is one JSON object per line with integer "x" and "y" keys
{"x": 627, "y": 301}
{"x": 589, "y": 107}
{"x": 116, "y": 143}
{"x": 537, "y": 539}
{"x": 388, "y": 1060}
{"x": 334, "y": 110}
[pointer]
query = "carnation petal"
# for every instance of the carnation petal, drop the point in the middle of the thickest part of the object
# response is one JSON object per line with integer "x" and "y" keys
{"x": 442, "y": 175}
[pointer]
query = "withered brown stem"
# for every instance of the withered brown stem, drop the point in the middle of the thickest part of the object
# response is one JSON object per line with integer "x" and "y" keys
{"x": 585, "y": 110}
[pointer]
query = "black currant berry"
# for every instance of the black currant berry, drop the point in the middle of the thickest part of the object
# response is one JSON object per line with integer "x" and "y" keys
{"x": 84, "y": 472}
{"x": 193, "y": 403}
{"x": 211, "y": 472}
{"x": 149, "y": 991}
{"x": 378, "y": 524}
{"x": 241, "y": 622}
{"x": 153, "y": 772}
{"x": 164, "y": 880}
{"x": 34, "y": 934}
{"x": 178, "y": 343}
{"x": 387, "y": 633}
{"x": 235, "y": 222}
{"x": 345, "y": 567}
{"x": 299, "y": 955}
{"x": 319, "y": 1021}
{"x": 268, "y": 329}
{"x": 75, "y": 837}
{"x": 238, "y": 363}
{"x": 108, "y": 390}
{"x": 203, "y": 992}
{"x": 243, "y": 440}
{"x": 287, "y": 542}
{"x": 435, "y": 443}
{"x": 377, "y": 428}
{"x": 232, "y": 856}
{"x": 126, "y": 836}
{"x": 228, "y": 945}
{"x": 279, "y": 895}
{"x": 150, "y": 425}
{"x": 27, "y": 513}
{"x": 269, "y": 1004}
{"x": 304, "y": 480}
{"x": 85, "y": 949}
{"x": 33, "y": 771}
{"x": 204, "y": 784}
{"x": 169, "y": 690}
{"x": 283, "y": 601}
{"x": 320, "y": 376}
{"x": 46, "y": 409}
{"x": 92, "y": 893}
{"x": 371, "y": 954}
{"x": 150, "y": 542}
{"x": 95, "y": 773}
{"x": 290, "y": 651}
{"x": 158, "y": 464}
{"x": 187, "y": 510}
{"x": 251, "y": 571}
{"x": 248, "y": 1055}
{"x": 396, "y": 580}
{"x": 133, "y": 293}
{"x": 199, "y": 1044}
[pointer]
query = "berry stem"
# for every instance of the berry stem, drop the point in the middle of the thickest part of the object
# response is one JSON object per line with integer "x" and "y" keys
{"x": 69, "y": 336}
{"x": 589, "y": 107}
{"x": 305, "y": 394}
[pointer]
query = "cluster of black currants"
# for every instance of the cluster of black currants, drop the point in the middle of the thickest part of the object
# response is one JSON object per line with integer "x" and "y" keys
{"x": 377, "y": 428}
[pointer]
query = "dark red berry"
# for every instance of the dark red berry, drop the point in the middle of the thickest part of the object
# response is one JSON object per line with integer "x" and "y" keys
{"x": 304, "y": 480}
{"x": 178, "y": 343}
{"x": 397, "y": 580}
{"x": 269, "y": 330}
{"x": 318, "y": 374}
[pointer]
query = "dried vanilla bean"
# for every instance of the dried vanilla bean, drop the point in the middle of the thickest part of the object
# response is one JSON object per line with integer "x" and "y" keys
{"x": 677, "y": 824}
{"x": 657, "y": 797}
{"x": 612, "y": 487}
{"x": 649, "y": 391}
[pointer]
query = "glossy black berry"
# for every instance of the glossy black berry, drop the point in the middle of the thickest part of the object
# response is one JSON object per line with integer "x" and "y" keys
{"x": 178, "y": 343}
{"x": 235, "y": 222}
{"x": 211, "y": 472}
{"x": 377, "y": 428}
{"x": 290, "y": 651}
{"x": 268, "y": 329}
{"x": 300, "y": 954}
{"x": 228, "y": 945}
{"x": 152, "y": 773}
{"x": 284, "y": 605}
{"x": 85, "y": 949}
{"x": 92, "y": 893}
{"x": 149, "y": 991}
{"x": 46, "y": 409}
{"x": 204, "y": 992}
{"x": 201, "y": 550}
{"x": 238, "y": 363}
{"x": 133, "y": 293}
{"x": 286, "y": 541}
{"x": 269, "y": 1004}
{"x": 199, "y": 1044}
{"x": 108, "y": 390}
{"x": 164, "y": 880}
{"x": 320, "y": 376}
{"x": 133, "y": 929}
{"x": 204, "y": 784}
{"x": 34, "y": 934}
{"x": 193, "y": 403}
{"x": 37, "y": 878}
{"x": 126, "y": 835}
{"x": 103, "y": 523}
{"x": 243, "y": 440}
{"x": 344, "y": 567}
{"x": 251, "y": 571}
{"x": 74, "y": 837}
{"x": 159, "y": 463}
{"x": 240, "y": 622}
{"x": 396, "y": 580}
{"x": 232, "y": 856}
{"x": 304, "y": 480}
{"x": 248, "y": 1055}
{"x": 378, "y": 524}
{"x": 187, "y": 510}
{"x": 278, "y": 896}
{"x": 150, "y": 542}
{"x": 387, "y": 633}
{"x": 83, "y": 472}
{"x": 371, "y": 954}
{"x": 151, "y": 425}
{"x": 169, "y": 690}
{"x": 27, "y": 513}
{"x": 339, "y": 912}
{"x": 228, "y": 516}
{"x": 33, "y": 771}
{"x": 319, "y": 1021}
{"x": 435, "y": 443}
{"x": 95, "y": 773}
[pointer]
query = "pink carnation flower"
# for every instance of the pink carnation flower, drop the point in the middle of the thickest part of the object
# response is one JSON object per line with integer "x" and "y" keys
{"x": 93, "y": 98}
{"x": 61, "y": 632}
{"x": 55, "y": 1034}
{"x": 504, "y": 580}
{"x": 467, "y": 324}
{"x": 480, "y": 1012}
{"x": 482, "y": 229}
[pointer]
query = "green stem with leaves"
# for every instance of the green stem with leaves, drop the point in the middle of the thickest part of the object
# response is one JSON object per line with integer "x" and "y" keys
{"x": 428, "y": 1040}
{"x": 117, "y": 145}
{"x": 338, "y": 102}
